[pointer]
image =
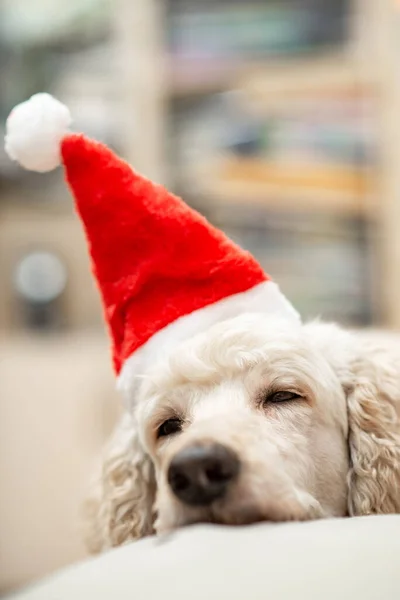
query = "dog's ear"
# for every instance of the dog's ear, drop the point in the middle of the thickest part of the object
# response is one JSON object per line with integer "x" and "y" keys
{"x": 373, "y": 400}
{"x": 120, "y": 508}
{"x": 368, "y": 368}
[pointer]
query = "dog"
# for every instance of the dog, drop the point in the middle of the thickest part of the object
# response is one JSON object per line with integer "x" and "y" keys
{"x": 255, "y": 419}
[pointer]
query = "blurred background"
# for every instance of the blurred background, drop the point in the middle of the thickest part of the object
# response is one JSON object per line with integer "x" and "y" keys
{"x": 277, "y": 119}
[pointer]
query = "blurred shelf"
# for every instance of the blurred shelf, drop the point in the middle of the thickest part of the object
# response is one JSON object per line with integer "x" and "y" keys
{"x": 333, "y": 188}
{"x": 288, "y": 201}
{"x": 324, "y": 76}
{"x": 328, "y": 71}
{"x": 191, "y": 78}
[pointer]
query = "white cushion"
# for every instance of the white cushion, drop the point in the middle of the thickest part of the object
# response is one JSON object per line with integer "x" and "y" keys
{"x": 343, "y": 559}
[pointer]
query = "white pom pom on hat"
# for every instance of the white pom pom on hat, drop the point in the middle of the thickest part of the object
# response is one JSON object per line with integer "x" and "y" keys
{"x": 34, "y": 130}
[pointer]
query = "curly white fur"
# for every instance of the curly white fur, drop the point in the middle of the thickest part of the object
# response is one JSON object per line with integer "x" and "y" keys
{"x": 120, "y": 506}
{"x": 335, "y": 452}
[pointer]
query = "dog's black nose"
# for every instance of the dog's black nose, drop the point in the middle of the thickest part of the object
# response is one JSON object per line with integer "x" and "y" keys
{"x": 200, "y": 474}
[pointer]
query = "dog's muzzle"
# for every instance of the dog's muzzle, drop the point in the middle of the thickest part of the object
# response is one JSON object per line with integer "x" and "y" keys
{"x": 200, "y": 474}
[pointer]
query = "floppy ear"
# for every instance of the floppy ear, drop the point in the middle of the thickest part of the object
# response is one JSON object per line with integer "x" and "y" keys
{"x": 373, "y": 399}
{"x": 121, "y": 506}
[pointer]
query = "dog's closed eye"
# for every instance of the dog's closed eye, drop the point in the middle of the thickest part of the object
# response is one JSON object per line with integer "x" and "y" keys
{"x": 281, "y": 397}
{"x": 169, "y": 427}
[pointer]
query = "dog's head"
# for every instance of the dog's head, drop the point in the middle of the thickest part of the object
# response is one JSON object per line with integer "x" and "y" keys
{"x": 256, "y": 420}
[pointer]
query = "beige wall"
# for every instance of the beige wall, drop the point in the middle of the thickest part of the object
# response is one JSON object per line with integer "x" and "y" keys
{"x": 57, "y": 407}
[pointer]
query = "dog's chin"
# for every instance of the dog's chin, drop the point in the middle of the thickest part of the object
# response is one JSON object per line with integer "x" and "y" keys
{"x": 224, "y": 513}
{"x": 212, "y": 517}
{"x": 248, "y": 514}
{"x": 245, "y": 516}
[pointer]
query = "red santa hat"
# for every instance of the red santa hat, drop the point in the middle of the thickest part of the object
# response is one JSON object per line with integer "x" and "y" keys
{"x": 163, "y": 271}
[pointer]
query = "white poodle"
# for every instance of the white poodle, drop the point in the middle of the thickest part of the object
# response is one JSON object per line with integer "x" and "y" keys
{"x": 255, "y": 419}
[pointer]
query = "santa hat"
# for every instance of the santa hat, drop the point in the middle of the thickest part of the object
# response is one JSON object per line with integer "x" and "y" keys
{"x": 164, "y": 272}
